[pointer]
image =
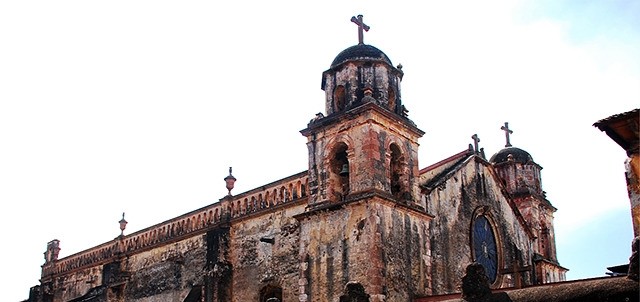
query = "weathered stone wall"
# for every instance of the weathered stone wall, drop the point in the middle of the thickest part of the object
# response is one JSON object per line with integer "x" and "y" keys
{"x": 453, "y": 204}
{"x": 519, "y": 177}
{"x": 539, "y": 217}
{"x": 264, "y": 252}
{"x": 71, "y": 286}
{"x": 370, "y": 242}
{"x": 168, "y": 272}
{"x": 183, "y": 258}
{"x": 381, "y": 78}
{"x": 549, "y": 273}
{"x": 632, "y": 174}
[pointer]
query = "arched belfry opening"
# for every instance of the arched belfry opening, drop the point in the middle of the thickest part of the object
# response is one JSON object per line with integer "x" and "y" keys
{"x": 339, "y": 98}
{"x": 271, "y": 294}
{"x": 399, "y": 180}
{"x": 340, "y": 170}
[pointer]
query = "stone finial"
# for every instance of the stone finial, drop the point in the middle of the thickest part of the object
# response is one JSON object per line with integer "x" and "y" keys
{"x": 123, "y": 225}
{"x": 475, "y": 283}
{"x": 53, "y": 249}
{"x": 230, "y": 180}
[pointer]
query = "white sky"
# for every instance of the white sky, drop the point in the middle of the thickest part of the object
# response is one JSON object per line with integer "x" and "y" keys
{"x": 141, "y": 106}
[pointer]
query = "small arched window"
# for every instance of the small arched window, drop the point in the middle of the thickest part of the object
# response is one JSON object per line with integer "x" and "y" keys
{"x": 339, "y": 166}
{"x": 398, "y": 181}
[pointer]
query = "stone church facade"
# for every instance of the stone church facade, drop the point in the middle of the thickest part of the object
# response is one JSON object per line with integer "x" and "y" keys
{"x": 363, "y": 223}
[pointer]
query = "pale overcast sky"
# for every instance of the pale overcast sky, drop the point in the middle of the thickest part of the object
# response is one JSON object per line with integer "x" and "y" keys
{"x": 141, "y": 106}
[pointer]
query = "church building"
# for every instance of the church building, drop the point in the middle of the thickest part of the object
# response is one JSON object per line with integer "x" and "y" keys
{"x": 364, "y": 222}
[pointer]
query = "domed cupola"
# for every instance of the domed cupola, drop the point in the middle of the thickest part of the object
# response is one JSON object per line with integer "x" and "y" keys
{"x": 358, "y": 71}
{"x": 511, "y": 154}
{"x": 360, "y": 52}
{"x": 517, "y": 168}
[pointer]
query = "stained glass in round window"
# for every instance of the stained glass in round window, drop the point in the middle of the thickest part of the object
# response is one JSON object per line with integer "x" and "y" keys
{"x": 484, "y": 247}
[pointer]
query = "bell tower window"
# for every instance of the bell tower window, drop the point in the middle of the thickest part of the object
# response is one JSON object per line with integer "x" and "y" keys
{"x": 340, "y": 171}
{"x": 398, "y": 183}
{"x": 339, "y": 98}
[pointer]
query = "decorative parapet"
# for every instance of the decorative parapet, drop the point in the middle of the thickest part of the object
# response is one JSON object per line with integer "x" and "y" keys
{"x": 290, "y": 190}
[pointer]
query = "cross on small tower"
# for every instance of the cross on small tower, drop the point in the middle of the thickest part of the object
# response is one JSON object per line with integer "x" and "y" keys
{"x": 507, "y": 131}
{"x": 476, "y": 140}
{"x": 361, "y": 26}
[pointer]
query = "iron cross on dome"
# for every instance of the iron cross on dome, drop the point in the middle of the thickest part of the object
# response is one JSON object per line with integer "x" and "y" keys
{"x": 361, "y": 26}
{"x": 507, "y": 131}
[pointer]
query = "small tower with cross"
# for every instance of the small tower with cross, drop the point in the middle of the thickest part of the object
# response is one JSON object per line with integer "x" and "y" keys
{"x": 522, "y": 179}
{"x": 521, "y": 173}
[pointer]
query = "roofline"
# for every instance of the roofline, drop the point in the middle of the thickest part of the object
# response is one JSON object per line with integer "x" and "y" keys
{"x": 447, "y": 173}
{"x": 446, "y": 160}
{"x": 331, "y": 119}
{"x": 614, "y": 118}
{"x": 549, "y": 261}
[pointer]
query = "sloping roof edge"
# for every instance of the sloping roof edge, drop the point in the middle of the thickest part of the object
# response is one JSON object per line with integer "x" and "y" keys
{"x": 441, "y": 177}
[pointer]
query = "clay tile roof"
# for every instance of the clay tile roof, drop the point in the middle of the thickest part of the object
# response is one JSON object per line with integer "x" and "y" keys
{"x": 622, "y": 128}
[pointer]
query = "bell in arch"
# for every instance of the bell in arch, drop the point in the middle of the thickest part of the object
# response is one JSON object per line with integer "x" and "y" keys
{"x": 345, "y": 170}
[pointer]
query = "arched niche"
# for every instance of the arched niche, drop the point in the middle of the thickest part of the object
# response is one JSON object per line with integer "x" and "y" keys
{"x": 399, "y": 180}
{"x": 339, "y": 171}
{"x": 354, "y": 293}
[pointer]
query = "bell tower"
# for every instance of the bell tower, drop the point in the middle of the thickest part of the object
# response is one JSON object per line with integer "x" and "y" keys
{"x": 363, "y": 187}
{"x": 522, "y": 180}
{"x": 366, "y": 142}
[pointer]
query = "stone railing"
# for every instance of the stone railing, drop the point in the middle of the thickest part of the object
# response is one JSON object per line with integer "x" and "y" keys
{"x": 274, "y": 195}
